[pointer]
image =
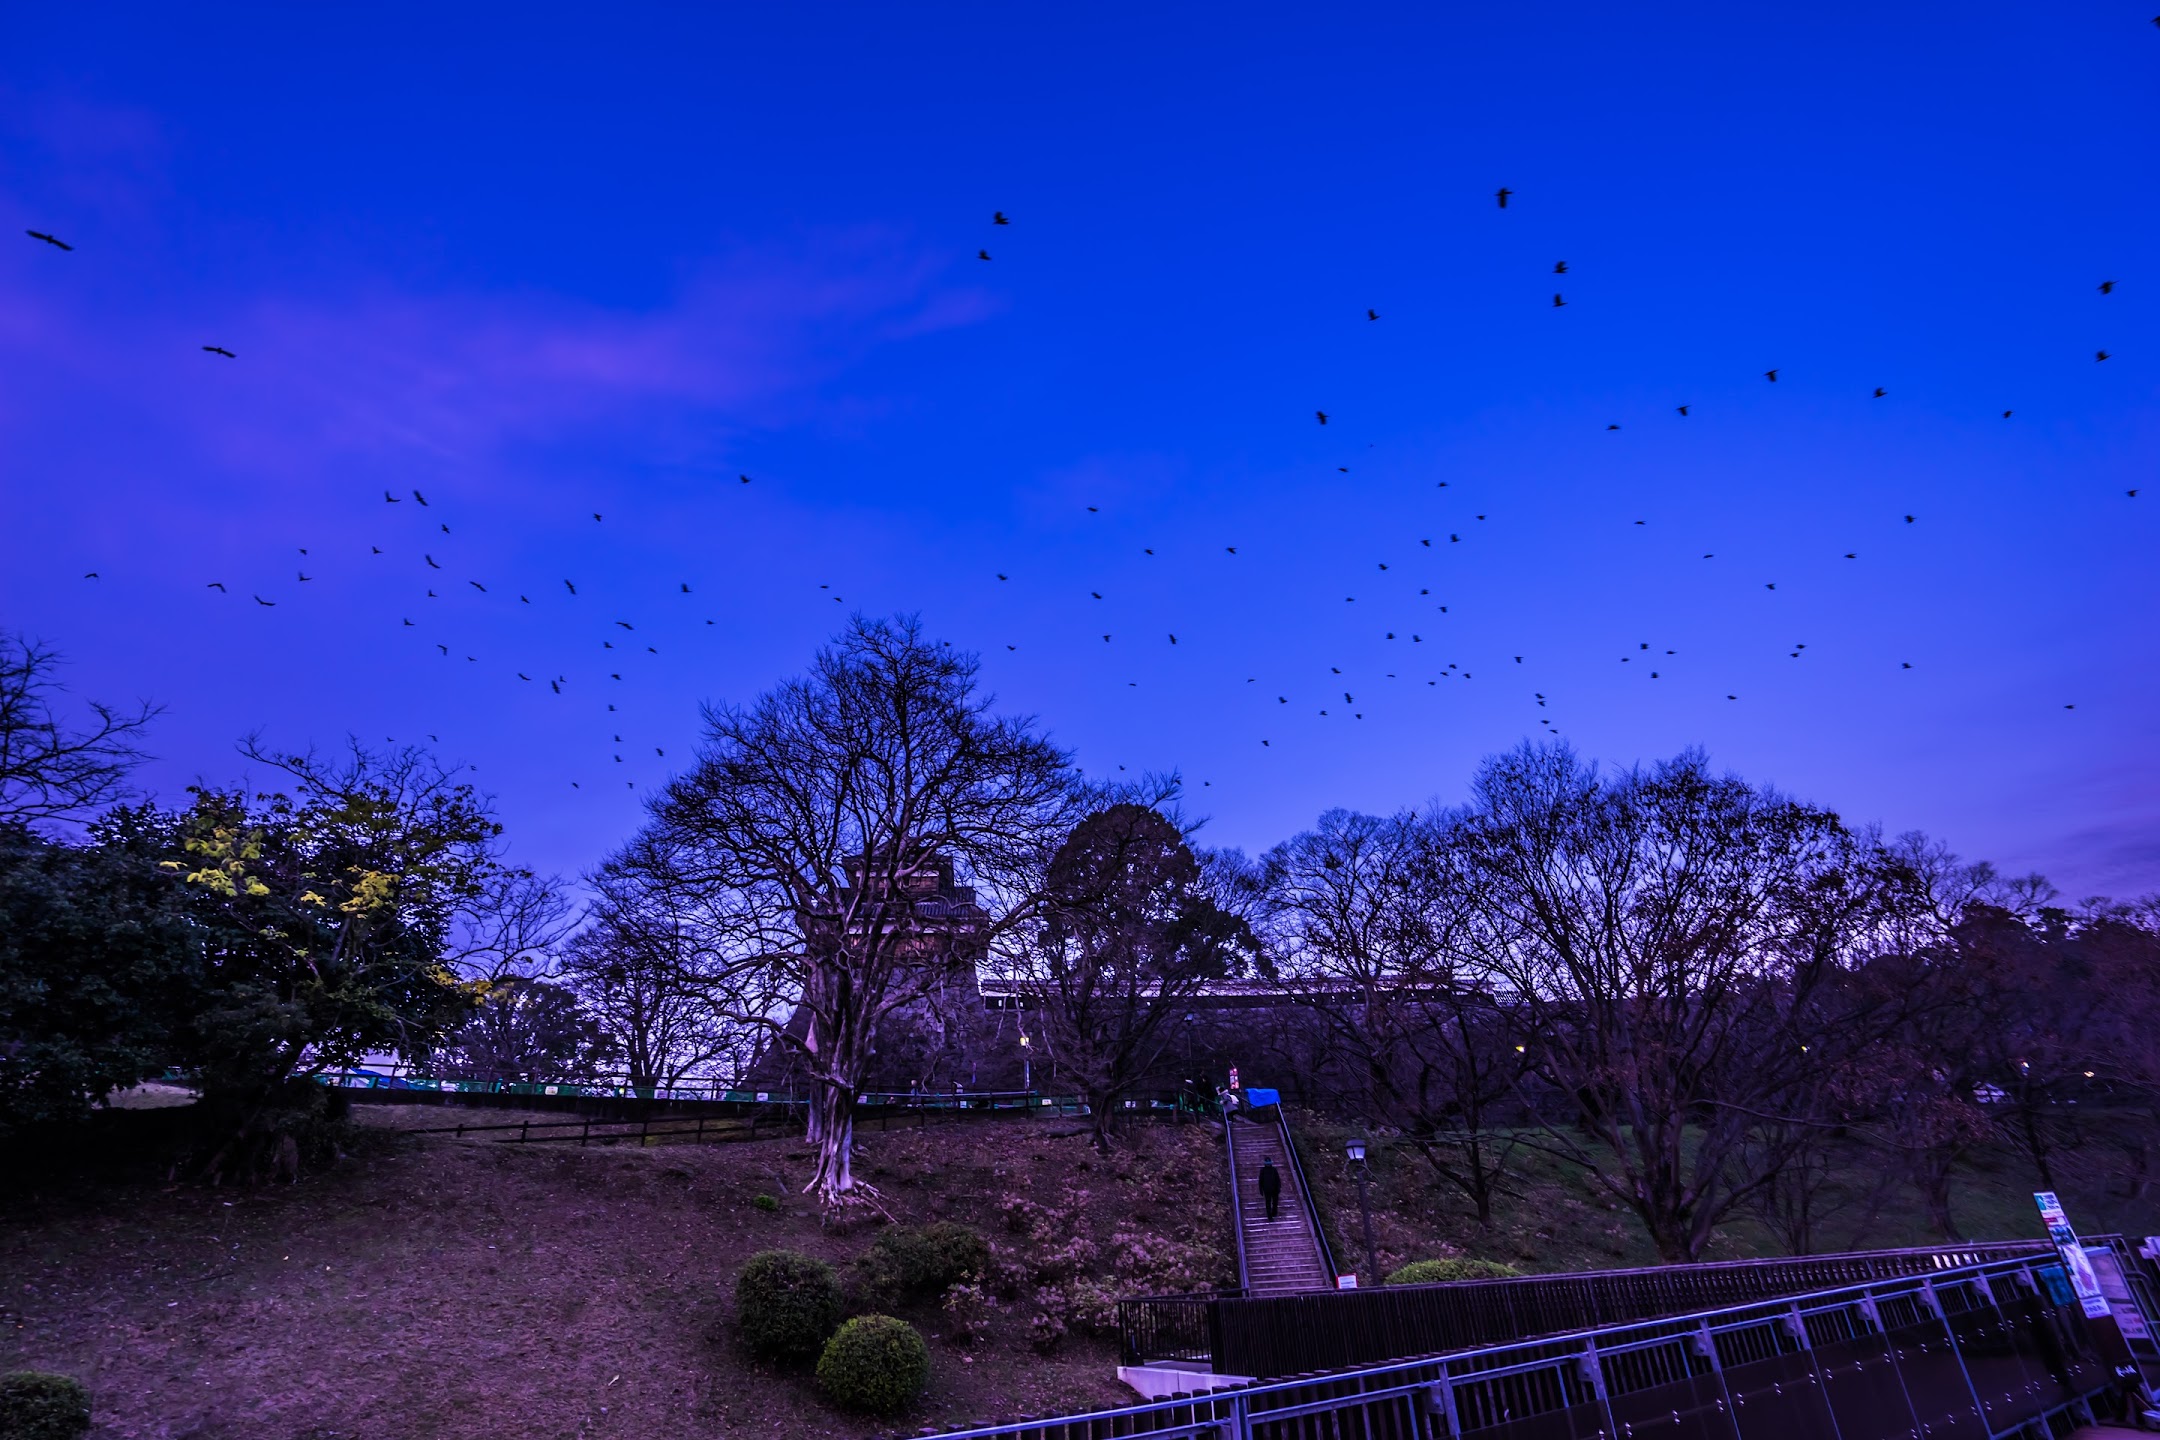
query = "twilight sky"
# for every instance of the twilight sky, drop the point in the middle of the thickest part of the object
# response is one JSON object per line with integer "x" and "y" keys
{"x": 542, "y": 262}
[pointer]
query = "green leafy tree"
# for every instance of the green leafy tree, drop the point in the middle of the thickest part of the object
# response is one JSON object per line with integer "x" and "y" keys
{"x": 1128, "y": 932}
{"x": 329, "y": 915}
{"x": 99, "y": 966}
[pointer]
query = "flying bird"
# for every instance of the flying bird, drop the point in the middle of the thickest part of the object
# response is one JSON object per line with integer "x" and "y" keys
{"x": 2107, "y": 287}
{"x": 430, "y": 560}
{"x": 1681, "y": 408}
{"x": 2100, "y": 354}
{"x": 596, "y": 515}
{"x": 51, "y": 240}
{"x": 1557, "y": 302}
{"x": 419, "y": 497}
{"x": 477, "y": 586}
{"x": 1321, "y": 415}
{"x": 523, "y": 676}
{"x": 997, "y": 217}
{"x": 1880, "y": 392}
{"x": 1371, "y": 314}
{"x": 1232, "y": 549}
{"x": 1559, "y": 267}
{"x": 1908, "y": 520}
{"x": 444, "y": 648}
{"x": 217, "y": 585}
{"x": 1771, "y": 376}
{"x": 271, "y": 603}
{"x": 389, "y": 499}
{"x": 304, "y": 575}
{"x": 685, "y": 587}
{"x": 1501, "y": 195}
{"x": 982, "y": 254}
{"x": 90, "y": 575}
{"x": 625, "y": 624}
{"x": 220, "y": 350}
{"x": 568, "y": 586}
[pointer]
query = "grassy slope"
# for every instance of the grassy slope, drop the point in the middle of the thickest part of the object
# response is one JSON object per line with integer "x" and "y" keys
{"x": 461, "y": 1288}
{"x": 1559, "y": 1220}
{"x": 443, "y": 1287}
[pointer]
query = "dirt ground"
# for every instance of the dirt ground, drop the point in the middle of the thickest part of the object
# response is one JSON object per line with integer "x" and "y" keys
{"x": 443, "y": 1287}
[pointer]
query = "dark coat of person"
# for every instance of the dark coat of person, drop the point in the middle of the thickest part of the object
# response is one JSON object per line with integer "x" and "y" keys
{"x": 1270, "y": 1179}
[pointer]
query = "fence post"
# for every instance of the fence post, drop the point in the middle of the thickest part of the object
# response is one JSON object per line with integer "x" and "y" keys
{"x": 524, "y": 1128}
{"x": 1934, "y": 1303}
{"x": 586, "y": 1133}
{"x": 1594, "y": 1372}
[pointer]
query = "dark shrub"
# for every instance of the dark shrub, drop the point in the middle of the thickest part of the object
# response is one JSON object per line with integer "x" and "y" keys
{"x": 957, "y": 1255}
{"x": 907, "y": 1264}
{"x": 1427, "y": 1272}
{"x": 767, "y": 1203}
{"x": 786, "y": 1304}
{"x": 874, "y": 1363}
{"x": 37, "y": 1406}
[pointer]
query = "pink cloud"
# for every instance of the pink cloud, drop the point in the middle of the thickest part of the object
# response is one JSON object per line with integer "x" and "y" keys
{"x": 463, "y": 379}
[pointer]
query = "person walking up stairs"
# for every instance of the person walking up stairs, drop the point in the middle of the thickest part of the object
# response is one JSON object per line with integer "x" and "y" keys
{"x": 1281, "y": 1255}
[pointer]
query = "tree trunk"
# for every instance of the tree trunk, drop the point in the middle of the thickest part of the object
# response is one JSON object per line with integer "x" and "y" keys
{"x": 833, "y": 1128}
{"x": 1935, "y": 1188}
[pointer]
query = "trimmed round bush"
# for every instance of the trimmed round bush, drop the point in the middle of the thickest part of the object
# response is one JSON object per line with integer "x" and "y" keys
{"x": 38, "y": 1406}
{"x": 874, "y": 1363}
{"x": 786, "y": 1303}
{"x": 1429, "y": 1272}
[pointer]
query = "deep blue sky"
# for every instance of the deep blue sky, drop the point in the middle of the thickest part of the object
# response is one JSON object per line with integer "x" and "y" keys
{"x": 542, "y": 262}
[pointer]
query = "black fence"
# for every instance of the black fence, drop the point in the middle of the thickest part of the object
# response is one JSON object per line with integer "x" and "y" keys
{"x": 1964, "y": 1353}
{"x": 1275, "y": 1335}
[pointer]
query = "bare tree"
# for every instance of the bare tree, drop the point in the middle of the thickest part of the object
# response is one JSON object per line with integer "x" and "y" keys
{"x": 513, "y": 927}
{"x": 1358, "y": 937}
{"x": 50, "y": 770}
{"x": 827, "y": 828}
{"x": 1128, "y": 933}
{"x": 651, "y": 970}
{"x": 1671, "y": 938}
{"x": 1364, "y": 916}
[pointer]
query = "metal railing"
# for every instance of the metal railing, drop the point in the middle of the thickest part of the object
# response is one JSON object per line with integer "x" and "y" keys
{"x": 1328, "y": 1330}
{"x": 1237, "y": 1206}
{"x": 1980, "y": 1350}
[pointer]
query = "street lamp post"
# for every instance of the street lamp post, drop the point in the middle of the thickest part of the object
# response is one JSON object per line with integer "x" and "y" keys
{"x": 1356, "y": 1150}
{"x": 1027, "y": 1068}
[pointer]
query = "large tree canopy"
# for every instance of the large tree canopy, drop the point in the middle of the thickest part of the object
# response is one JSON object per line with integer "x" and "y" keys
{"x": 824, "y": 827}
{"x": 100, "y": 970}
{"x": 1128, "y": 932}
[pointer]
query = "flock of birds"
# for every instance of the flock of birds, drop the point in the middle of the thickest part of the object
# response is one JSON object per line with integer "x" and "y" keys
{"x": 624, "y": 645}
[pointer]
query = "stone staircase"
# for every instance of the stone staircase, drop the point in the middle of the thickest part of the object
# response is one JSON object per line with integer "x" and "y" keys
{"x": 1281, "y": 1255}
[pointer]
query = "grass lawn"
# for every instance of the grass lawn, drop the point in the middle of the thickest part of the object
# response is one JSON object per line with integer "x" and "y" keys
{"x": 444, "y": 1287}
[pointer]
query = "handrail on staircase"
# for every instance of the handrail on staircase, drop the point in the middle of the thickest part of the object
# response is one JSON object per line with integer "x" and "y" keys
{"x": 1237, "y": 1207}
{"x": 1312, "y": 1211}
